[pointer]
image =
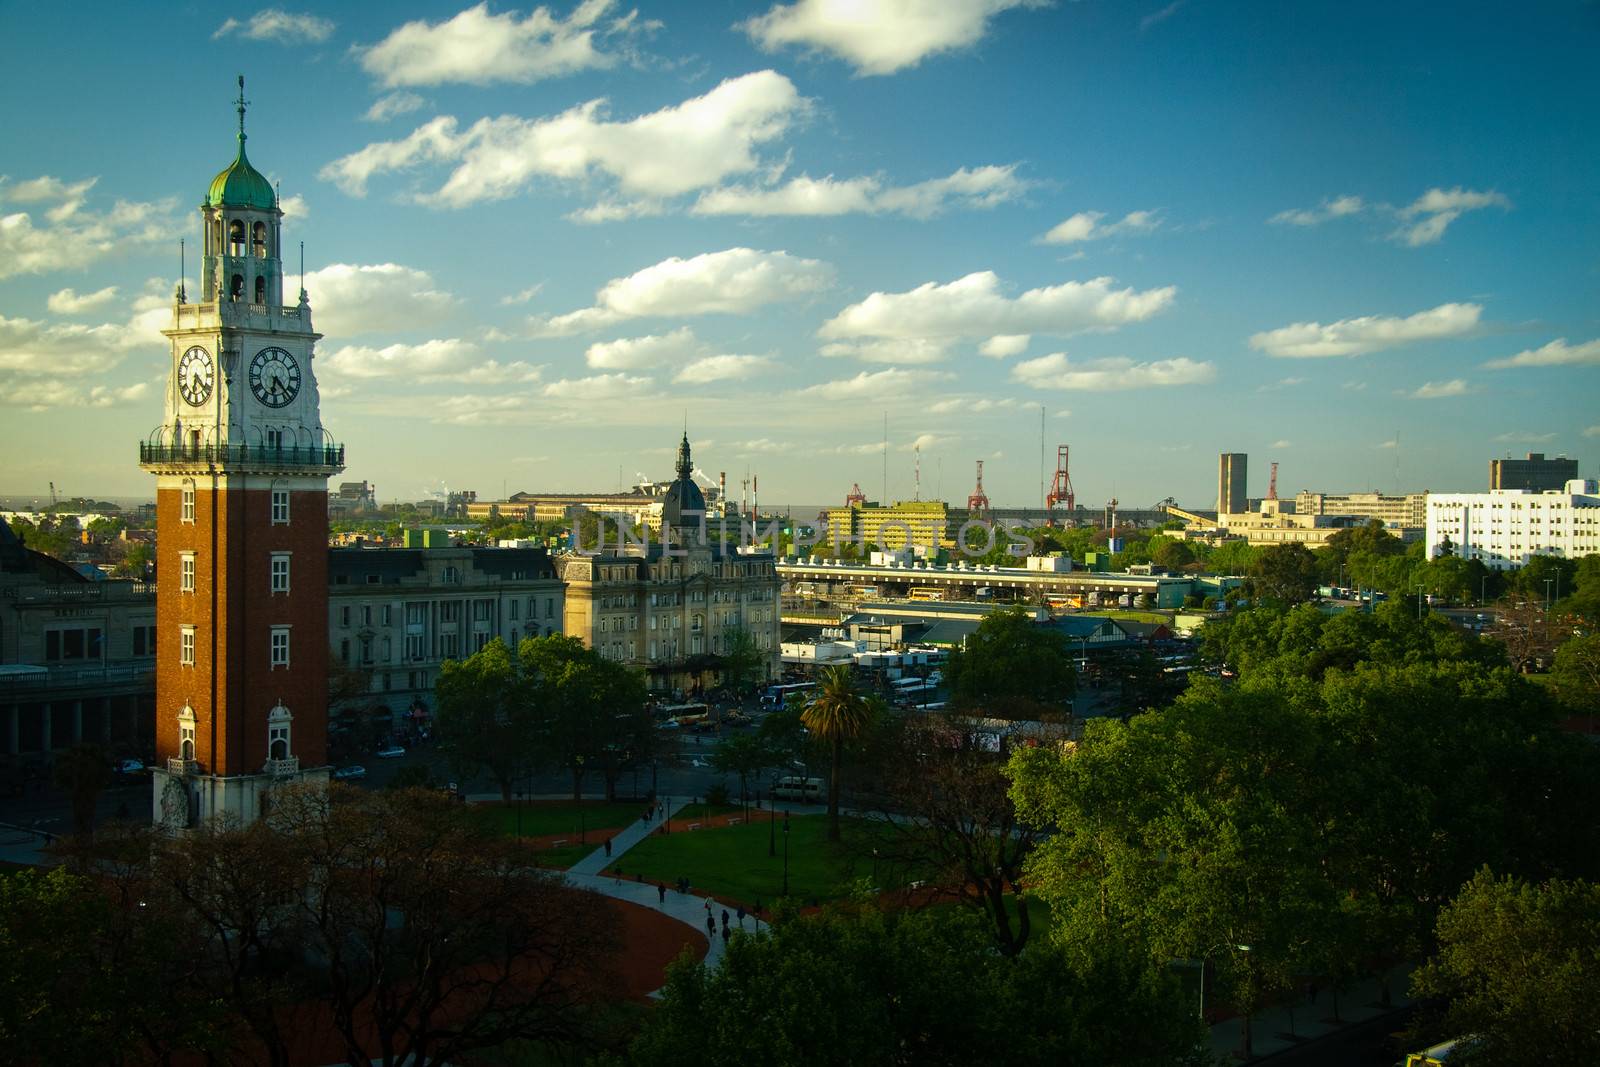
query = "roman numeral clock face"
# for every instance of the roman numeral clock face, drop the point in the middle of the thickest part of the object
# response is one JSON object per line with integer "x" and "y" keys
{"x": 194, "y": 376}
{"x": 274, "y": 377}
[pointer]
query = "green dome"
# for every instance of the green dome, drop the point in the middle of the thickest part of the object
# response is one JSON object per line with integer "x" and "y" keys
{"x": 241, "y": 185}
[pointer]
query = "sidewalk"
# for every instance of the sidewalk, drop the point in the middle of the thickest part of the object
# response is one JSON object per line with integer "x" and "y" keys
{"x": 1283, "y": 1027}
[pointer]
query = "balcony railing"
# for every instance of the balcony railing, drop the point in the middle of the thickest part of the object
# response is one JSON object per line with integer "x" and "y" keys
{"x": 182, "y": 766}
{"x": 327, "y": 457}
{"x": 287, "y": 767}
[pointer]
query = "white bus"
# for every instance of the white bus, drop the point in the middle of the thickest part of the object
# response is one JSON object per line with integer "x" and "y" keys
{"x": 776, "y": 696}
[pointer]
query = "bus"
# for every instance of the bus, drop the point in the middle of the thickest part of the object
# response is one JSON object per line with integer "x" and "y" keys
{"x": 916, "y": 696}
{"x": 926, "y": 592}
{"x": 776, "y": 696}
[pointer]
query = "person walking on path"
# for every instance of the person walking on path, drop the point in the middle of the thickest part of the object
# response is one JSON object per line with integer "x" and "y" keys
{"x": 724, "y": 922}
{"x": 741, "y": 916}
{"x": 608, "y": 847}
{"x": 711, "y": 927}
{"x": 725, "y": 934}
{"x": 709, "y": 916}
{"x": 661, "y": 893}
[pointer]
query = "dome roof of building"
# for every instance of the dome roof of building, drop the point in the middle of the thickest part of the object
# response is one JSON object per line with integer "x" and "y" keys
{"x": 241, "y": 185}
{"x": 684, "y": 503}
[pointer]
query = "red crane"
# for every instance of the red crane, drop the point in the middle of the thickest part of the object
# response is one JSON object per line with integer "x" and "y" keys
{"x": 855, "y": 496}
{"x": 1272, "y": 484}
{"x": 978, "y": 502}
{"x": 1061, "y": 488}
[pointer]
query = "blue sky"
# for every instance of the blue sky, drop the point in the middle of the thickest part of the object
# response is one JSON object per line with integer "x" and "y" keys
{"x": 538, "y": 239}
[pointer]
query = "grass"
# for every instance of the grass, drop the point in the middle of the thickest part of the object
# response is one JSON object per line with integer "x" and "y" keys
{"x": 541, "y": 818}
{"x": 732, "y": 862}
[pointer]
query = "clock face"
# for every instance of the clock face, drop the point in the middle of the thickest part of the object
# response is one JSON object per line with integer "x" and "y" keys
{"x": 195, "y": 376}
{"x": 274, "y": 377}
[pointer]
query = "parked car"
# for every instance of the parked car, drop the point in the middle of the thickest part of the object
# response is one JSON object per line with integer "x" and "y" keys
{"x": 346, "y": 773}
{"x": 130, "y": 766}
{"x": 392, "y": 752}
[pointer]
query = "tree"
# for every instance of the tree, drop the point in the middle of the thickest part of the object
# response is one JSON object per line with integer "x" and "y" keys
{"x": 488, "y": 715}
{"x": 1286, "y": 573}
{"x": 913, "y": 986}
{"x": 747, "y": 756}
{"x": 1577, "y": 673}
{"x": 83, "y": 771}
{"x": 1171, "y": 553}
{"x": 948, "y": 809}
{"x": 591, "y": 710}
{"x": 1520, "y": 968}
{"x": 1012, "y": 667}
{"x": 743, "y": 662}
{"x": 835, "y": 715}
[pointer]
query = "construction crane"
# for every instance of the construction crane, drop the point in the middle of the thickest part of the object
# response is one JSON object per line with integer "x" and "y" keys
{"x": 1272, "y": 483}
{"x": 978, "y": 502}
{"x": 855, "y": 497}
{"x": 1061, "y": 488}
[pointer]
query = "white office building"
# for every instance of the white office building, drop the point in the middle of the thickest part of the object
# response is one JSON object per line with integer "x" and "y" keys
{"x": 1507, "y": 527}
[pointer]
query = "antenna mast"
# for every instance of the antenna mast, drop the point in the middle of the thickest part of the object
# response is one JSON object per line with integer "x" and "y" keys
{"x": 183, "y": 269}
{"x": 916, "y": 472}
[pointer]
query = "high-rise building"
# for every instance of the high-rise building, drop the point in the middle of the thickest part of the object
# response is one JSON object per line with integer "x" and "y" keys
{"x": 1535, "y": 474}
{"x": 1232, "y": 479}
{"x": 1508, "y": 527}
{"x": 242, "y": 463}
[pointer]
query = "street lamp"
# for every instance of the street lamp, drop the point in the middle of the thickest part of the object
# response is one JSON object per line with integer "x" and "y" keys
{"x": 1203, "y": 961}
{"x": 1419, "y": 603}
{"x": 785, "y": 853}
{"x": 1547, "y": 582}
{"x": 772, "y": 831}
{"x": 1483, "y": 590}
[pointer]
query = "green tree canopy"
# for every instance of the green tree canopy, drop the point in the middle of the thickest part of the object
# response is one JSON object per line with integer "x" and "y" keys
{"x": 1012, "y": 667}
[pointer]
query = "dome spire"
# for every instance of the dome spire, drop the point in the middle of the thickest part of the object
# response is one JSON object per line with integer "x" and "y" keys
{"x": 685, "y": 467}
{"x": 241, "y": 103}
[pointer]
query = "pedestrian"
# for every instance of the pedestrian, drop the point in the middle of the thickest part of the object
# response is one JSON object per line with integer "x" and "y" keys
{"x": 661, "y": 893}
{"x": 1311, "y": 991}
{"x": 648, "y": 811}
{"x": 711, "y": 927}
{"x": 741, "y": 916}
{"x": 608, "y": 846}
{"x": 724, "y": 920}
{"x": 725, "y": 933}
{"x": 708, "y": 907}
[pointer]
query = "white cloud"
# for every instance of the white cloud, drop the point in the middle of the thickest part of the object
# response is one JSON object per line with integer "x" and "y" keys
{"x": 1439, "y": 390}
{"x": 1281, "y": 383}
{"x": 70, "y": 302}
{"x": 1524, "y": 437}
{"x": 722, "y": 368}
{"x": 904, "y": 350}
{"x": 1555, "y": 354}
{"x": 1085, "y": 226}
{"x": 1056, "y": 371}
{"x": 761, "y": 446}
{"x": 1391, "y": 443}
{"x": 393, "y": 105}
{"x": 637, "y": 353}
{"x": 44, "y": 394}
{"x": 1337, "y": 207}
{"x": 597, "y": 387}
{"x": 349, "y": 298}
{"x": 32, "y": 348}
{"x": 977, "y": 406}
{"x": 477, "y": 48}
{"x": 1003, "y": 345}
{"x": 676, "y": 150}
{"x": 927, "y": 442}
{"x": 1436, "y": 209}
{"x": 979, "y": 187}
{"x": 294, "y": 207}
{"x": 1281, "y": 444}
{"x": 523, "y": 296}
{"x": 69, "y": 237}
{"x": 1160, "y": 16}
{"x": 973, "y": 307}
{"x": 877, "y": 36}
{"x": 273, "y": 24}
{"x": 731, "y": 282}
{"x": 1592, "y": 431}
{"x": 440, "y": 359}
{"x": 869, "y": 384}
{"x": 1370, "y": 333}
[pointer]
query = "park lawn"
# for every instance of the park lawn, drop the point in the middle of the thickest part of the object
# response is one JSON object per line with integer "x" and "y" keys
{"x": 564, "y": 856}
{"x": 541, "y": 818}
{"x": 732, "y": 862}
{"x": 701, "y": 812}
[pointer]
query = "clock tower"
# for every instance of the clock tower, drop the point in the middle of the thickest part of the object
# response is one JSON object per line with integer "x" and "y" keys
{"x": 242, "y": 465}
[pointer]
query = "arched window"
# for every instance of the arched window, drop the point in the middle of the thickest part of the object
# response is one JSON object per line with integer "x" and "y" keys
{"x": 236, "y": 238}
{"x": 236, "y": 287}
{"x": 278, "y": 721}
{"x": 258, "y": 239}
{"x": 186, "y": 733}
{"x": 261, "y": 290}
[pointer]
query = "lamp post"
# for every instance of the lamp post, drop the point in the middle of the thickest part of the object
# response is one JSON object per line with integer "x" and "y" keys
{"x": 1547, "y": 582}
{"x": 785, "y": 853}
{"x": 1419, "y": 603}
{"x": 1483, "y": 590}
{"x": 772, "y": 831}
{"x": 1205, "y": 960}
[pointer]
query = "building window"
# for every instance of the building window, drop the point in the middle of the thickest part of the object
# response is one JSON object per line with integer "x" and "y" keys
{"x": 480, "y": 610}
{"x": 280, "y": 646}
{"x": 549, "y": 607}
{"x": 280, "y": 507}
{"x": 344, "y": 651}
{"x": 78, "y": 643}
{"x": 186, "y": 646}
{"x": 186, "y": 733}
{"x": 278, "y": 722}
{"x": 388, "y": 650}
{"x": 366, "y": 651}
{"x": 366, "y": 615}
{"x": 280, "y": 572}
{"x": 144, "y": 640}
{"x": 416, "y": 648}
{"x": 479, "y": 640}
{"x": 186, "y": 572}
{"x": 188, "y": 504}
{"x": 450, "y": 611}
{"x": 448, "y": 646}
{"x": 384, "y": 614}
{"x": 451, "y": 576}
{"x": 515, "y": 604}
{"x": 344, "y": 616}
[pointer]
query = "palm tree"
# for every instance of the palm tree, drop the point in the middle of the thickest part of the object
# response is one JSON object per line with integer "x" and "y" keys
{"x": 835, "y": 715}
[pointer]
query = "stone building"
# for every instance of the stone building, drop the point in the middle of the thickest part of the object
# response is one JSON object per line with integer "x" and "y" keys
{"x": 670, "y": 606}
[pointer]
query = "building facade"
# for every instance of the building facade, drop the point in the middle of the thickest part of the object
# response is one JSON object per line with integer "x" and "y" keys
{"x": 907, "y": 523}
{"x": 242, "y": 463}
{"x": 396, "y": 614}
{"x": 1404, "y": 511}
{"x": 1507, "y": 527}
{"x": 1233, "y": 497}
{"x": 671, "y": 607}
{"x": 1535, "y": 473}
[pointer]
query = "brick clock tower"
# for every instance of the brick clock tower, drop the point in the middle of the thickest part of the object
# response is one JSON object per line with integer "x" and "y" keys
{"x": 242, "y": 465}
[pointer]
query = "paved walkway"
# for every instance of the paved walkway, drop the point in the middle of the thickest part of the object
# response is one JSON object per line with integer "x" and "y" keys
{"x": 1288, "y": 1026}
